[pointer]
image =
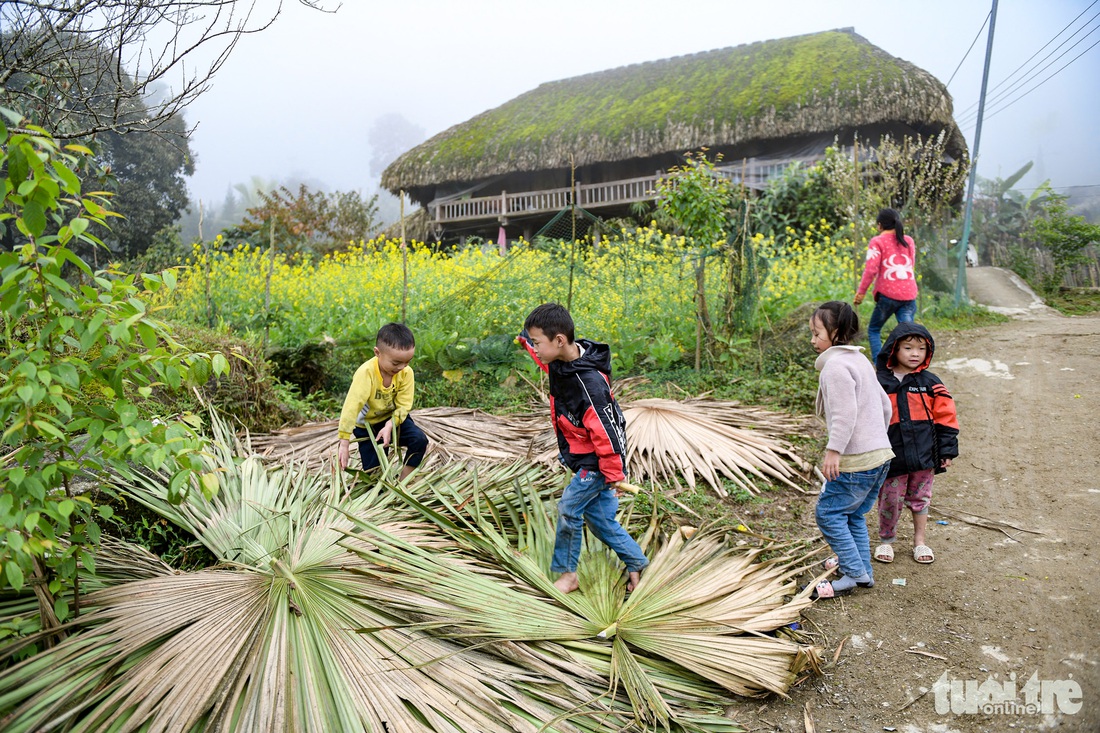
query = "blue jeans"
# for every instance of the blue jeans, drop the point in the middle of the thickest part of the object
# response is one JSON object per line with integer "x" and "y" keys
{"x": 903, "y": 310}
{"x": 407, "y": 434}
{"x": 840, "y": 517}
{"x": 588, "y": 498}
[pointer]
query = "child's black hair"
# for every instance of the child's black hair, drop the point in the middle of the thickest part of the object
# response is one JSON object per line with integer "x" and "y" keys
{"x": 396, "y": 336}
{"x": 891, "y": 219}
{"x": 552, "y": 319}
{"x": 838, "y": 319}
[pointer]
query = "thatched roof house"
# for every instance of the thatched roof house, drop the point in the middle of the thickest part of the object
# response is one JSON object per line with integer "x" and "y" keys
{"x": 776, "y": 101}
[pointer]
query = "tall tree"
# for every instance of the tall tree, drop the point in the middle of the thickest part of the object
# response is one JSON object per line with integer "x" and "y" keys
{"x": 150, "y": 191}
{"x": 146, "y": 167}
{"x": 391, "y": 135}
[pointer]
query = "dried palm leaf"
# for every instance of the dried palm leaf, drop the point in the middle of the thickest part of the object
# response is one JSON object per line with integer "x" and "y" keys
{"x": 696, "y": 438}
{"x": 702, "y": 611}
{"x": 455, "y": 433}
{"x": 286, "y": 636}
{"x": 710, "y": 440}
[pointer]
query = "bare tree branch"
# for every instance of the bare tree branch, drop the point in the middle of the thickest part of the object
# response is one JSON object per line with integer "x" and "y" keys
{"x": 81, "y": 67}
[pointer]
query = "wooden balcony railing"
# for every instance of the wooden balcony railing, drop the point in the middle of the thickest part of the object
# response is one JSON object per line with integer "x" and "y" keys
{"x": 589, "y": 195}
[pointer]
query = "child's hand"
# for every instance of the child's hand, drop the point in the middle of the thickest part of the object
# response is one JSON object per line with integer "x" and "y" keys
{"x": 830, "y": 467}
{"x": 343, "y": 454}
{"x": 944, "y": 463}
{"x": 858, "y": 299}
{"x": 385, "y": 433}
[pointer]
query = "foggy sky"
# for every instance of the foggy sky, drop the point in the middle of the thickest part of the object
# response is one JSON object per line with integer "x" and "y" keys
{"x": 298, "y": 99}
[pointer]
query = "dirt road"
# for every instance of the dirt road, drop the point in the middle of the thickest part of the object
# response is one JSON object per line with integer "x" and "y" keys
{"x": 1016, "y": 603}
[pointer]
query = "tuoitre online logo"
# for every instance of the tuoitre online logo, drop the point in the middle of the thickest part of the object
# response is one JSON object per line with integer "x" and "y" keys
{"x": 994, "y": 697}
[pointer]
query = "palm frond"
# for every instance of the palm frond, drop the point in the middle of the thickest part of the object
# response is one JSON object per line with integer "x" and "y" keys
{"x": 703, "y": 611}
{"x": 667, "y": 439}
{"x": 285, "y": 636}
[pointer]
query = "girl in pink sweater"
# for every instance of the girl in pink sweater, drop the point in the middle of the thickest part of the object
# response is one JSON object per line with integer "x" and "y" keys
{"x": 891, "y": 257}
{"x": 857, "y": 413}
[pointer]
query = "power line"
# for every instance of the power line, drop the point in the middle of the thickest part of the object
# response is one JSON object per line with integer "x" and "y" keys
{"x": 1013, "y": 101}
{"x": 1006, "y": 105}
{"x": 1017, "y": 86}
{"x": 976, "y": 37}
{"x": 967, "y": 112}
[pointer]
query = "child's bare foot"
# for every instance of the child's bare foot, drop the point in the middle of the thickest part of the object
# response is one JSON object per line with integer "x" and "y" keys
{"x": 632, "y": 580}
{"x": 567, "y": 582}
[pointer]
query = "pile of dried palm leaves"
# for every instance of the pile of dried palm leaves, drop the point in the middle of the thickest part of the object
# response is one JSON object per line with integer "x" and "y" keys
{"x": 694, "y": 438}
{"x": 456, "y": 433}
{"x": 407, "y": 607}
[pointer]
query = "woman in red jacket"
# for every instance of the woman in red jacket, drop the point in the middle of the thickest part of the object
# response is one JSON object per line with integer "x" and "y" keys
{"x": 891, "y": 257}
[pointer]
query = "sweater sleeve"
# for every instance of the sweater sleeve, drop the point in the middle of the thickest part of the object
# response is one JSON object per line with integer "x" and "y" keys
{"x": 360, "y": 390}
{"x": 870, "y": 268}
{"x": 840, "y": 406}
{"x": 887, "y": 408}
{"x": 403, "y": 398}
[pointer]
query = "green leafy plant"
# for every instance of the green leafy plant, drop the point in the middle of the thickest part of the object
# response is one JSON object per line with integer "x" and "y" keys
{"x": 664, "y": 351}
{"x": 79, "y": 352}
{"x": 1065, "y": 236}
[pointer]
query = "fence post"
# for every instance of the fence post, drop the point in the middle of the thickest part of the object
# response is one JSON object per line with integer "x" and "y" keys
{"x": 404, "y": 265}
{"x": 267, "y": 283}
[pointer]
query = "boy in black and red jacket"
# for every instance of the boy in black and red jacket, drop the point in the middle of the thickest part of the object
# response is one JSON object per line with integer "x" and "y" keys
{"x": 924, "y": 435}
{"x": 591, "y": 432}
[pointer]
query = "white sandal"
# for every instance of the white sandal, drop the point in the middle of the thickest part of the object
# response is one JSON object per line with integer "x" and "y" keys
{"x": 884, "y": 553}
{"x": 923, "y": 551}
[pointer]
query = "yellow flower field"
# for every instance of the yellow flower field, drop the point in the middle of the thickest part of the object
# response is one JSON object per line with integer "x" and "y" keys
{"x": 629, "y": 291}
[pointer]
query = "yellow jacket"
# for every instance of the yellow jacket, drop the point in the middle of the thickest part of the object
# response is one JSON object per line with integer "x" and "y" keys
{"x": 368, "y": 402}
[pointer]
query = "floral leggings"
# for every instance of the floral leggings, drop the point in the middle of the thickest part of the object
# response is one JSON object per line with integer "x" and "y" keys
{"x": 912, "y": 490}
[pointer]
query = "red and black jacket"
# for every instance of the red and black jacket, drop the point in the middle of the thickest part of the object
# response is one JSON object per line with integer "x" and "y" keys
{"x": 924, "y": 428}
{"x": 590, "y": 427}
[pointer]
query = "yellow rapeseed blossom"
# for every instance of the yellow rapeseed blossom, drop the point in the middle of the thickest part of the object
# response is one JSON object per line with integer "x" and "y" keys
{"x": 625, "y": 290}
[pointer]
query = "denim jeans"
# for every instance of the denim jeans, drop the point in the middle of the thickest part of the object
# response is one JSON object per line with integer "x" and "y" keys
{"x": 840, "y": 517}
{"x": 408, "y": 434}
{"x": 902, "y": 310}
{"x": 588, "y": 498}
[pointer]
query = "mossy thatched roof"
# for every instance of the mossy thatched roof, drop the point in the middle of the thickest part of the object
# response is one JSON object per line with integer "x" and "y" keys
{"x": 803, "y": 85}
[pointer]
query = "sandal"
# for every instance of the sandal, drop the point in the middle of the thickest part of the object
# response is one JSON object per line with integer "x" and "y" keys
{"x": 825, "y": 589}
{"x": 923, "y": 554}
{"x": 884, "y": 553}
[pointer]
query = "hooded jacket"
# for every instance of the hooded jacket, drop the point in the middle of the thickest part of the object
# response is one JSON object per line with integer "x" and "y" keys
{"x": 589, "y": 425}
{"x": 924, "y": 428}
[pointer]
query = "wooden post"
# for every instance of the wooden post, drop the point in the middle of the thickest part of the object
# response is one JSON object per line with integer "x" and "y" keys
{"x": 404, "y": 264}
{"x": 857, "y": 251}
{"x": 206, "y": 272}
{"x": 502, "y": 245}
{"x": 267, "y": 283}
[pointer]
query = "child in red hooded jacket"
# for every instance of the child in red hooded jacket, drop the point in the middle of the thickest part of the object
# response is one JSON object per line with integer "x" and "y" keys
{"x": 924, "y": 435}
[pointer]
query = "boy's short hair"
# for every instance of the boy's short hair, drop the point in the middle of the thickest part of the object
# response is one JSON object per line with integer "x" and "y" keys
{"x": 396, "y": 336}
{"x": 552, "y": 319}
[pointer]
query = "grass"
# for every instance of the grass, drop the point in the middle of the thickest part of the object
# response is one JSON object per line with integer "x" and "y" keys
{"x": 1075, "y": 301}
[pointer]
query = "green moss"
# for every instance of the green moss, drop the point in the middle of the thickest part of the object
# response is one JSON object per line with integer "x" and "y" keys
{"x": 734, "y": 86}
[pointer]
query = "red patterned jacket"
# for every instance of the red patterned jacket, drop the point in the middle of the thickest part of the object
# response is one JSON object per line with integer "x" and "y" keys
{"x": 890, "y": 264}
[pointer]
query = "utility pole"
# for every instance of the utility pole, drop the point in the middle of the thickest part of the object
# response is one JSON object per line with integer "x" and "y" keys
{"x": 964, "y": 243}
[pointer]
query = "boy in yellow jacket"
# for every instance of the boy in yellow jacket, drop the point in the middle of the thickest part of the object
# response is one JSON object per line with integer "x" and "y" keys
{"x": 376, "y": 409}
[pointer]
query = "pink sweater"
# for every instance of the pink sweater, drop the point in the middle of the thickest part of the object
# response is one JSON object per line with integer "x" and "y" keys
{"x": 856, "y": 409}
{"x": 890, "y": 265}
